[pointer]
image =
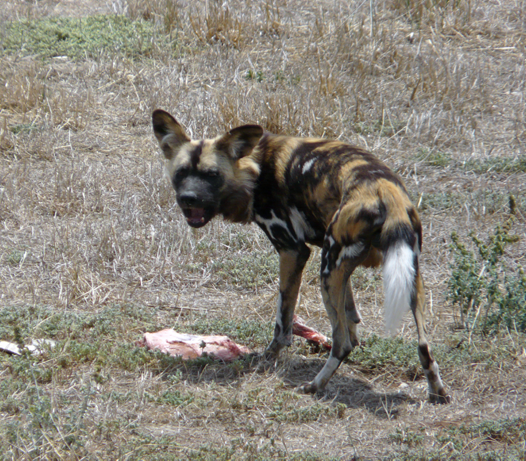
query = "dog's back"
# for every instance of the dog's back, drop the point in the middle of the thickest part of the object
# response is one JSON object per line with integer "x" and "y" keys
{"x": 311, "y": 190}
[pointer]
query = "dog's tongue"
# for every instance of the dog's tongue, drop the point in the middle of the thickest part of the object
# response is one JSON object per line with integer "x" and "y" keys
{"x": 197, "y": 215}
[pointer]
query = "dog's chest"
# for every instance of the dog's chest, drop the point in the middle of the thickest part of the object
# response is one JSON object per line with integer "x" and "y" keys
{"x": 287, "y": 214}
{"x": 286, "y": 228}
{"x": 286, "y": 222}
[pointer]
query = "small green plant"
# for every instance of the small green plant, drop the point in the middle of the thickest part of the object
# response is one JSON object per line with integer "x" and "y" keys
{"x": 16, "y": 257}
{"x": 288, "y": 407}
{"x": 174, "y": 398}
{"x": 248, "y": 271}
{"x": 510, "y": 431}
{"x": 484, "y": 286}
{"x": 380, "y": 353}
{"x": 253, "y": 75}
{"x": 25, "y": 128}
{"x": 407, "y": 437}
{"x": 249, "y": 332}
{"x": 497, "y": 165}
{"x": 434, "y": 158}
{"x": 80, "y": 37}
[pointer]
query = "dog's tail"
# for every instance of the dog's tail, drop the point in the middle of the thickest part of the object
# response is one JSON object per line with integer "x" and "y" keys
{"x": 401, "y": 242}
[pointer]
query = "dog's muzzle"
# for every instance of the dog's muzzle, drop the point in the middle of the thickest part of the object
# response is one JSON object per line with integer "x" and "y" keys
{"x": 196, "y": 211}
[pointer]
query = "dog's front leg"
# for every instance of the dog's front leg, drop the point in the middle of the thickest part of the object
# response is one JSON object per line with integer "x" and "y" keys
{"x": 291, "y": 264}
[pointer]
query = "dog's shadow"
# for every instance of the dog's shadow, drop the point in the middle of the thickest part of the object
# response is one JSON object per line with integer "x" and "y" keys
{"x": 294, "y": 371}
{"x": 350, "y": 391}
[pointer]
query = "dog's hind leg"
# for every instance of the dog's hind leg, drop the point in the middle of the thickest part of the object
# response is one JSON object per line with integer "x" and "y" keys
{"x": 404, "y": 289}
{"x": 291, "y": 264}
{"x": 352, "y": 314}
{"x": 373, "y": 259}
{"x": 437, "y": 392}
{"x": 338, "y": 262}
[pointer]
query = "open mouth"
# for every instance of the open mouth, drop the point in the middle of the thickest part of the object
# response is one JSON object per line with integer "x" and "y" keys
{"x": 197, "y": 217}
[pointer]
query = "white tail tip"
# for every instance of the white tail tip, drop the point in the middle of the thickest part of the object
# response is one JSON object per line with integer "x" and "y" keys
{"x": 399, "y": 283}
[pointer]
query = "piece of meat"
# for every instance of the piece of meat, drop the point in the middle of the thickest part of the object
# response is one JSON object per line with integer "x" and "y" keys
{"x": 189, "y": 346}
{"x": 300, "y": 329}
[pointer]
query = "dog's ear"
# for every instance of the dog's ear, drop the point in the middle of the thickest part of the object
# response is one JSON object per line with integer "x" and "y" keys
{"x": 240, "y": 141}
{"x": 168, "y": 132}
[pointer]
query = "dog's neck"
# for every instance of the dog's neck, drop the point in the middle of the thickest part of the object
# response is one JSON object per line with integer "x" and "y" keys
{"x": 237, "y": 204}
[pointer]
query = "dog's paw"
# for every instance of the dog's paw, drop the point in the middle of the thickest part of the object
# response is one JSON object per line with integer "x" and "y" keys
{"x": 440, "y": 399}
{"x": 262, "y": 362}
{"x": 308, "y": 388}
{"x": 269, "y": 356}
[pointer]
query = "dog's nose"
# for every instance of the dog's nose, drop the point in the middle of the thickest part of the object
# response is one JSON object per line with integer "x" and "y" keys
{"x": 189, "y": 199}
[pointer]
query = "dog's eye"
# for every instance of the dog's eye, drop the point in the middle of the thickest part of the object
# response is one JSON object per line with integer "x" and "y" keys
{"x": 213, "y": 173}
{"x": 181, "y": 173}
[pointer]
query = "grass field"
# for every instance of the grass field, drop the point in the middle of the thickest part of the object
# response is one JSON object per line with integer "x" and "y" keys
{"x": 94, "y": 252}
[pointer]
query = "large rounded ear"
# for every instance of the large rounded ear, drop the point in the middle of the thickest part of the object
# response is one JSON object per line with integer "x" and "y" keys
{"x": 168, "y": 132}
{"x": 240, "y": 141}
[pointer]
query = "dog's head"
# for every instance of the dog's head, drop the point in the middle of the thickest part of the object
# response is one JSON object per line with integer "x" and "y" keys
{"x": 204, "y": 173}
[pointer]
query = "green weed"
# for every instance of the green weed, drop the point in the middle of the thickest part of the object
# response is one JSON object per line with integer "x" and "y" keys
{"x": 251, "y": 333}
{"x": 81, "y": 37}
{"x": 258, "y": 76}
{"x": 83, "y": 337}
{"x": 439, "y": 201}
{"x": 484, "y": 286}
{"x": 497, "y": 165}
{"x": 479, "y": 166}
{"x": 408, "y": 438}
{"x": 32, "y": 322}
{"x": 241, "y": 449}
{"x": 482, "y": 202}
{"x": 38, "y": 423}
{"x": 16, "y": 257}
{"x": 510, "y": 431}
{"x": 248, "y": 271}
{"x": 380, "y": 353}
{"x": 25, "y": 128}
{"x": 174, "y": 398}
{"x": 286, "y": 408}
{"x": 453, "y": 441}
{"x": 434, "y": 158}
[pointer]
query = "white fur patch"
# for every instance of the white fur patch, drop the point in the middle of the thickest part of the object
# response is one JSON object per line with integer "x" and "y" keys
{"x": 301, "y": 228}
{"x": 274, "y": 221}
{"x": 325, "y": 268}
{"x": 307, "y": 166}
{"x": 436, "y": 384}
{"x": 326, "y": 372}
{"x": 349, "y": 252}
{"x": 399, "y": 278}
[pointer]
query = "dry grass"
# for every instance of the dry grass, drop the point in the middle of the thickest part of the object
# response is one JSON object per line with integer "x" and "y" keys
{"x": 93, "y": 251}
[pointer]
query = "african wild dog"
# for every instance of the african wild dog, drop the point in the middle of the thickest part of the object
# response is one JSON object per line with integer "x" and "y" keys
{"x": 309, "y": 191}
